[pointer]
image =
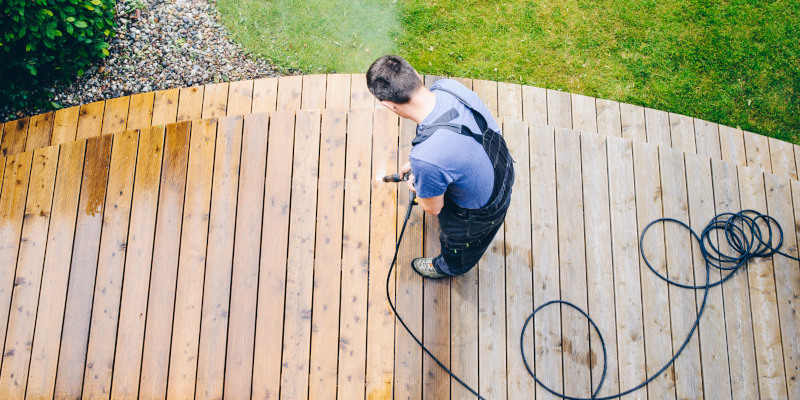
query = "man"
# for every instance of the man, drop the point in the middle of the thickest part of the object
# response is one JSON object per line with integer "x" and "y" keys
{"x": 461, "y": 168}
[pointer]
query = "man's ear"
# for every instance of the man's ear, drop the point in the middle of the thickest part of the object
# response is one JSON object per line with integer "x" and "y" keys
{"x": 390, "y": 105}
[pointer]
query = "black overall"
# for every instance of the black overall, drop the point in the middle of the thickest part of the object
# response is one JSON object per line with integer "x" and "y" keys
{"x": 467, "y": 233}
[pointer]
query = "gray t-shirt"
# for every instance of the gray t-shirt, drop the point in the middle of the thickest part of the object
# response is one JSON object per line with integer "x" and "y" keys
{"x": 449, "y": 162}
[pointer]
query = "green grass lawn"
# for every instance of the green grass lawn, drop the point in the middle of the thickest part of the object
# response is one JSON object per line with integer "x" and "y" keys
{"x": 732, "y": 62}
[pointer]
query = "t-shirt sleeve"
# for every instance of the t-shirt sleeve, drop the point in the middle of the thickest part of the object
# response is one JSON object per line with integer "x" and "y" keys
{"x": 429, "y": 180}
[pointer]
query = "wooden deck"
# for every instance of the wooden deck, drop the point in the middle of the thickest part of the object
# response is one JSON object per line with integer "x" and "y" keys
{"x": 232, "y": 241}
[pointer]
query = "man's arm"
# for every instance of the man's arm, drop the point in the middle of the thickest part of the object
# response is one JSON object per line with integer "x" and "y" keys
{"x": 432, "y": 205}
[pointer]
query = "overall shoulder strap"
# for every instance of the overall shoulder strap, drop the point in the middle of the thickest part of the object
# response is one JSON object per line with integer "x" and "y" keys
{"x": 479, "y": 119}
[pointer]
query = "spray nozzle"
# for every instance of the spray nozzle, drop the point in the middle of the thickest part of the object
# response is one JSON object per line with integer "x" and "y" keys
{"x": 395, "y": 177}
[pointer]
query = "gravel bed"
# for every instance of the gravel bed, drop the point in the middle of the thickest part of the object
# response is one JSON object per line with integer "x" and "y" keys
{"x": 159, "y": 45}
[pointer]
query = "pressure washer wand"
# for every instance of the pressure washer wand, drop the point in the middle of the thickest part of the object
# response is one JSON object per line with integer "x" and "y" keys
{"x": 396, "y": 177}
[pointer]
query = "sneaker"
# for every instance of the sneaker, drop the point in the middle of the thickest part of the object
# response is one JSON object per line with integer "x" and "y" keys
{"x": 424, "y": 266}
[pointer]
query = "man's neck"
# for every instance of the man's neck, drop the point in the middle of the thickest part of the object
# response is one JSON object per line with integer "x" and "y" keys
{"x": 421, "y": 105}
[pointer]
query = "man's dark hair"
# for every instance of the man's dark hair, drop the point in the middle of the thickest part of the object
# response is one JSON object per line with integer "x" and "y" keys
{"x": 392, "y": 78}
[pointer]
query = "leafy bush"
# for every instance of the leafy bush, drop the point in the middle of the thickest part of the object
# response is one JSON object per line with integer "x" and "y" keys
{"x": 44, "y": 41}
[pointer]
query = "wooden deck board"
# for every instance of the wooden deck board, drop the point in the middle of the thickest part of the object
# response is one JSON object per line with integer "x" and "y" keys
{"x": 192, "y": 261}
{"x": 128, "y": 240}
{"x": 328, "y": 255}
{"x": 408, "y": 293}
{"x": 102, "y": 334}
{"x": 787, "y": 277}
{"x": 247, "y": 241}
{"x": 15, "y": 134}
{"x": 300, "y": 260}
{"x": 654, "y": 291}
{"x": 27, "y": 282}
{"x": 518, "y": 272}
{"x": 165, "y": 107}
{"x": 355, "y": 257}
{"x": 49, "y": 318}
{"x": 599, "y": 264}
{"x": 735, "y": 294}
{"x": 274, "y": 246}
{"x": 713, "y": 341}
{"x": 40, "y": 132}
{"x": 763, "y": 298}
{"x": 217, "y": 286}
{"x": 163, "y": 280}
{"x": 140, "y": 114}
{"x": 383, "y": 219}
{"x": 628, "y": 291}
{"x": 65, "y": 125}
{"x": 572, "y": 262}
{"x": 138, "y": 265}
{"x": 547, "y": 327}
{"x": 80, "y": 289}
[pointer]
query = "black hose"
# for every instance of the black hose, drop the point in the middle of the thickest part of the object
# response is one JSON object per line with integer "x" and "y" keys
{"x": 742, "y": 233}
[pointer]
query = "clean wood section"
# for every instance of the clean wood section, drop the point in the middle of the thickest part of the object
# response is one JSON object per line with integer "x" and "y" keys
{"x": 584, "y": 111}
{"x": 787, "y": 275}
{"x": 274, "y": 246}
{"x": 289, "y": 93}
{"x": 215, "y": 100}
{"x": 140, "y": 113}
{"x": 217, "y": 288}
{"x": 713, "y": 342}
{"x": 165, "y": 107}
{"x": 85, "y": 249}
{"x": 300, "y": 260}
{"x": 110, "y": 266}
{"x": 355, "y": 256}
{"x": 40, "y": 132}
{"x": 682, "y": 133}
{"x": 383, "y": 216}
{"x": 242, "y": 326}
{"x": 509, "y": 101}
{"x": 782, "y": 157}
{"x": 763, "y": 298}
{"x": 192, "y": 261}
{"x": 328, "y": 256}
{"x": 138, "y": 263}
{"x": 190, "y": 103}
{"x": 337, "y": 92}
{"x": 559, "y": 109}
{"x": 240, "y": 98}
{"x": 654, "y": 291}
{"x": 547, "y": 326}
{"x": 518, "y": 272}
{"x": 534, "y": 105}
{"x": 680, "y": 268}
{"x": 572, "y": 263}
{"x": 265, "y": 95}
{"x": 27, "y": 282}
{"x": 633, "y": 123}
{"x": 707, "y": 139}
{"x": 657, "y": 123}
{"x": 609, "y": 118}
{"x": 487, "y": 91}
{"x": 599, "y": 263}
{"x": 628, "y": 291}
{"x": 49, "y": 318}
{"x": 408, "y": 292}
{"x": 731, "y": 142}
{"x": 313, "y": 94}
{"x": 15, "y": 134}
{"x": 735, "y": 293}
{"x": 163, "y": 279}
{"x": 757, "y": 149}
{"x": 360, "y": 97}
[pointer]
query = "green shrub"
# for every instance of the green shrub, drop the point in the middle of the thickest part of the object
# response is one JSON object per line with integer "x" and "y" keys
{"x": 45, "y": 41}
